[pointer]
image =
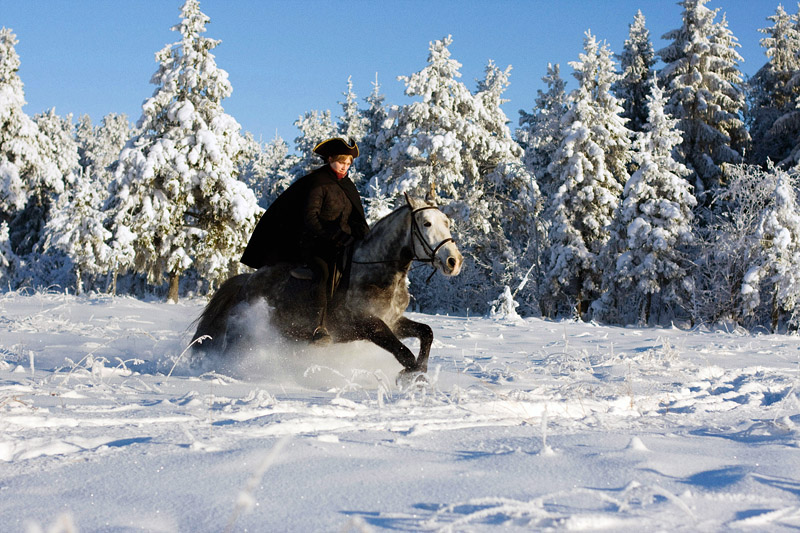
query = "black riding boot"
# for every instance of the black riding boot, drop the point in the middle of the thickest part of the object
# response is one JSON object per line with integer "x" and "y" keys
{"x": 320, "y": 335}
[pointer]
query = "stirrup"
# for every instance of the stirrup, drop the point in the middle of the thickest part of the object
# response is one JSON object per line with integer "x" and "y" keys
{"x": 302, "y": 272}
{"x": 321, "y": 337}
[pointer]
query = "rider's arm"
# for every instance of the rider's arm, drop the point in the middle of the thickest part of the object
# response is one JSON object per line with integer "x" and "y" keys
{"x": 311, "y": 217}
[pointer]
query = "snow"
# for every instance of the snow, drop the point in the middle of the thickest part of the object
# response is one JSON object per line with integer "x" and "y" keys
{"x": 523, "y": 424}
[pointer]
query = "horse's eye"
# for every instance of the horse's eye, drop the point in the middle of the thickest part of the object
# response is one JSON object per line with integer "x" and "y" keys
{"x": 427, "y": 224}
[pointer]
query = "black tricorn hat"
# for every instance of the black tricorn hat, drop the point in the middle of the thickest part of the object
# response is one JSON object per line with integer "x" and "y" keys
{"x": 336, "y": 146}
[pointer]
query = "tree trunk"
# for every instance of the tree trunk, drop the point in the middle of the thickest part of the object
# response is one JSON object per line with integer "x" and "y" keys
{"x": 775, "y": 310}
{"x": 78, "y": 282}
{"x": 111, "y": 288}
{"x": 174, "y": 283}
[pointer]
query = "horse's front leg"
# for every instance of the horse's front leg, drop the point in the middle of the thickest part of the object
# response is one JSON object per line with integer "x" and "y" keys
{"x": 406, "y": 328}
{"x": 373, "y": 329}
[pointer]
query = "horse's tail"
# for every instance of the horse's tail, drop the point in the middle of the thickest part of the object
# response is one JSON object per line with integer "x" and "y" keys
{"x": 214, "y": 319}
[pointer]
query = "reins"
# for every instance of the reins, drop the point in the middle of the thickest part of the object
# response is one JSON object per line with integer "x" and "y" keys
{"x": 416, "y": 232}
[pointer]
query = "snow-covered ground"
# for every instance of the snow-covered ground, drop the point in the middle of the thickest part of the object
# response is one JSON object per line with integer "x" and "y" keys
{"x": 527, "y": 425}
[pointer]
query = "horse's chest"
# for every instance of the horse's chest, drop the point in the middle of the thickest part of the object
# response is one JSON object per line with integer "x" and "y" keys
{"x": 387, "y": 301}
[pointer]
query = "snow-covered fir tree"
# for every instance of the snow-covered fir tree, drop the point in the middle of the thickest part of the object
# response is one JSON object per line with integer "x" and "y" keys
{"x": 456, "y": 149}
{"x": 99, "y": 146}
{"x": 76, "y": 229}
{"x": 646, "y": 254}
{"x": 375, "y": 155}
{"x": 539, "y": 131}
{"x": 426, "y": 155}
{"x": 63, "y": 146}
{"x": 774, "y": 274}
{"x": 266, "y": 169}
{"x": 590, "y": 167}
{"x": 774, "y": 91}
{"x": 175, "y": 187}
{"x": 636, "y": 61}
{"x": 315, "y": 126}
{"x": 703, "y": 85}
{"x": 353, "y": 124}
{"x": 510, "y": 194}
{"x": 29, "y": 177}
{"x": 58, "y": 146}
{"x": 85, "y": 138}
{"x": 8, "y": 259}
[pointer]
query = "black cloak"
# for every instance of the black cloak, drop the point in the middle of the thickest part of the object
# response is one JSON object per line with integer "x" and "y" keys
{"x": 282, "y": 234}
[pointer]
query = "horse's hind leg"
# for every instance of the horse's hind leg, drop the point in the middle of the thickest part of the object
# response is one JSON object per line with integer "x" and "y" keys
{"x": 406, "y": 328}
{"x": 375, "y": 330}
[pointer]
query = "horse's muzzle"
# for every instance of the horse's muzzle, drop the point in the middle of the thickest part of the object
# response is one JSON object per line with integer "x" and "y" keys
{"x": 450, "y": 260}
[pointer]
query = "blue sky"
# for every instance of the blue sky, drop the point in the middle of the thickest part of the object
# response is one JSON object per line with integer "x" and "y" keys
{"x": 287, "y": 57}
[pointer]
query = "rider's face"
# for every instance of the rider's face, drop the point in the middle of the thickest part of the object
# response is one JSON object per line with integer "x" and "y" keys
{"x": 340, "y": 167}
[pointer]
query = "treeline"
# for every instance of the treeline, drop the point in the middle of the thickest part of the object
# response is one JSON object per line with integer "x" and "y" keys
{"x": 642, "y": 195}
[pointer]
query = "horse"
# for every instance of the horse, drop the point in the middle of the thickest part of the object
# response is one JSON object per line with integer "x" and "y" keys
{"x": 374, "y": 305}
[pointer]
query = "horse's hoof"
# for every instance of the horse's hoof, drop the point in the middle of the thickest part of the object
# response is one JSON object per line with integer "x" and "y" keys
{"x": 321, "y": 337}
{"x": 411, "y": 378}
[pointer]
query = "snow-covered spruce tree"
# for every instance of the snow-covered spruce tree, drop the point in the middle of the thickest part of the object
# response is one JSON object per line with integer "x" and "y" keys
{"x": 636, "y": 61}
{"x": 456, "y": 149}
{"x": 266, "y": 169}
{"x": 57, "y": 145}
{"x": 774, "y": 273}
{"x": 63, "y": 146}
{"x": 76, "y": 229}
{"x": 591, "y": 169}
{"x": 426, "y": 155}
{"x": 774, "y": 91}
{"x": 375, "y": 155}
{"x": 510, "y": 194}
{"x": 646, "y": 254}
{"x": 703, "y": 85}
{"x": 8, "y": 259}
{"x": 85, "y": 138}
{"x": 99, "y": 146}
{"x": 352, "y": 124}
{"x": 315, "y": 126}
{"x": 175, "y": 187}
{"x": 29, "y": 178}
{"x": 539, "y": 131}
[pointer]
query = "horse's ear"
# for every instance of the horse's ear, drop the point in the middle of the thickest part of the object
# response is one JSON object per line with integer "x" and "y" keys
{"x": 409, "y": 202}
{"x": 430, "y": 200}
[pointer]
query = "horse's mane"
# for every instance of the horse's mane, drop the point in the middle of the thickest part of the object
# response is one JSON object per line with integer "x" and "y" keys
{"x": 379, "y": 228}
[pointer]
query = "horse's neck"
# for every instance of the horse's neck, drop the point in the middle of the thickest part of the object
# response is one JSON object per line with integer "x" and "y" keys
{"x": 389, "y": 241}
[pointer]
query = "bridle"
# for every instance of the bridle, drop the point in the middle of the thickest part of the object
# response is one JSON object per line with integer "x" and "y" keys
{"x": 416, "y": 232}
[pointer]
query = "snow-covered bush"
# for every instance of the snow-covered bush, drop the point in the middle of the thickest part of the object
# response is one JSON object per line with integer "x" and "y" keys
{"x": 746, "y": 256}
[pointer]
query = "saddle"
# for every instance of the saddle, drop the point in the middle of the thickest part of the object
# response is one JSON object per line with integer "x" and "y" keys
{"x": 302, "y": 272}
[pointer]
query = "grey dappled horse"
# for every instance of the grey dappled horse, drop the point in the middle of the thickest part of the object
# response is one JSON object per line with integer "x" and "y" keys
{"x": 375, "y": 302}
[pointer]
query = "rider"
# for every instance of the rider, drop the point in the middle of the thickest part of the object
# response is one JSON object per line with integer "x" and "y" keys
{"x": 314, "y": 224}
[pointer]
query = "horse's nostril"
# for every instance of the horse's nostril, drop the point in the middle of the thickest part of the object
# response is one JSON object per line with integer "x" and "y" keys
{"x": 451, "y": 262}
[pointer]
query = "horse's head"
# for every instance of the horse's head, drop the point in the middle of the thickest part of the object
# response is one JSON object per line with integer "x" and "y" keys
{"x": 431, "y": 238}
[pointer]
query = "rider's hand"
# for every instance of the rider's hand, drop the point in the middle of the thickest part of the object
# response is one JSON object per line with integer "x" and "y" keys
{"x": 345, "y": 240}
{"x": 341, "y": 239}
